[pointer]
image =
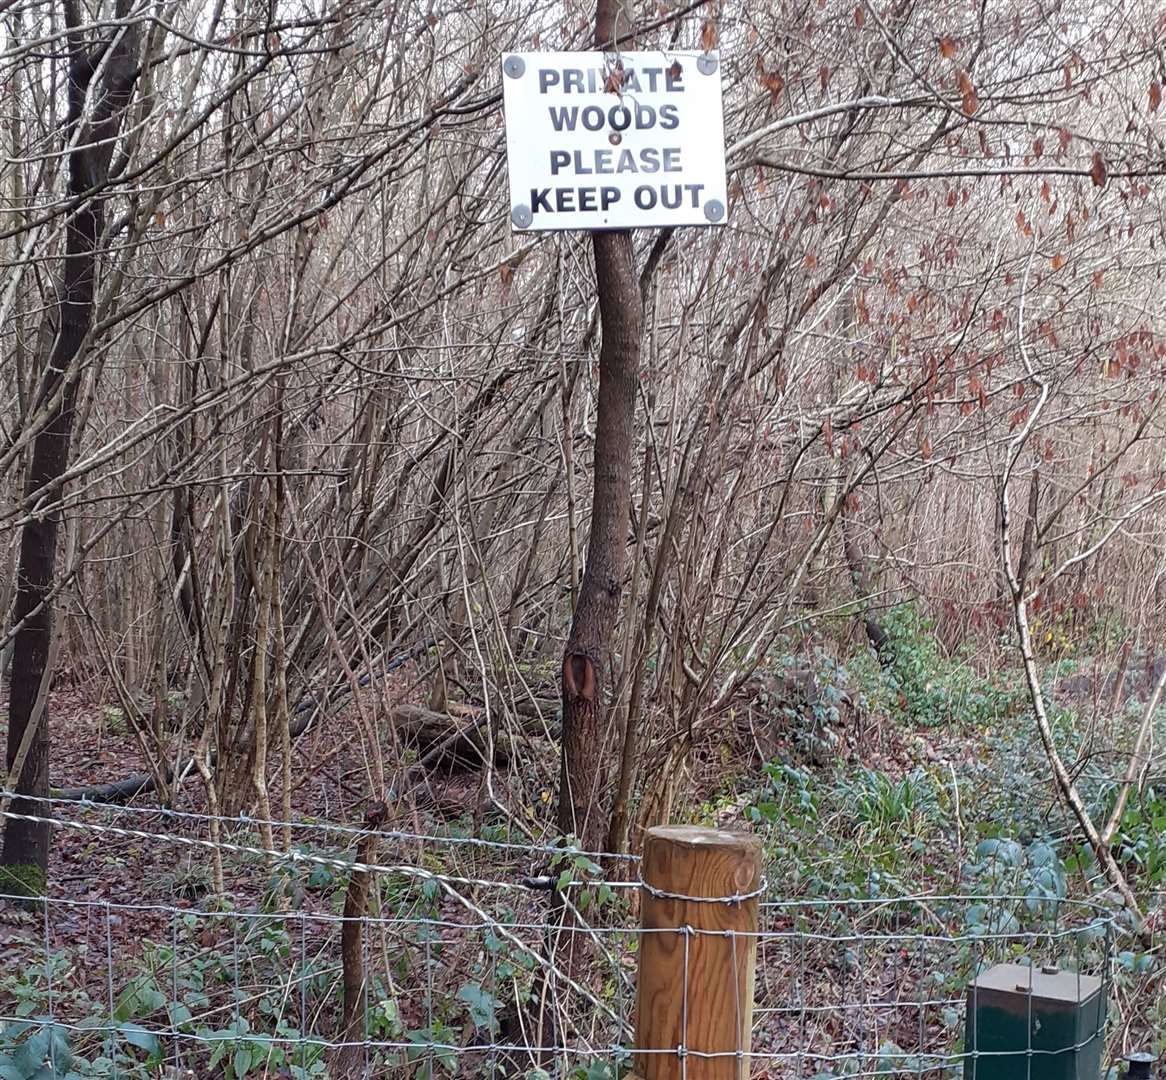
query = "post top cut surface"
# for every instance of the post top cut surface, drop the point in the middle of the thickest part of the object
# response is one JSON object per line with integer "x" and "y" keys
{"x": 1063, "y": 986}
{"x": 699, "y": 836}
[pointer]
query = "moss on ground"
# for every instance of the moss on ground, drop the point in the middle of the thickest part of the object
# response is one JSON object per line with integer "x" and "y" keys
{"x": 23, "y": 879}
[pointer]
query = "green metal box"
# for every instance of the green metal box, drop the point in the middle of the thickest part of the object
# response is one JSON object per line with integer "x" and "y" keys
{"x": 1035, "y": 1023}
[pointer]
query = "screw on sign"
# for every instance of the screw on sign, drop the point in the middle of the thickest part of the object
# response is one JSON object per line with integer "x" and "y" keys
{"x": 597, "y": 141}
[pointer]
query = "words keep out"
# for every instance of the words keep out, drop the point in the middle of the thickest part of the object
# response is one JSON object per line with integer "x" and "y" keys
{"x": 563, "y": 200}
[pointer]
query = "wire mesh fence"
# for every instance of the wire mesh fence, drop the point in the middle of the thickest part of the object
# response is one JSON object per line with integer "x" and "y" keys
{"x": 491, "y": 958}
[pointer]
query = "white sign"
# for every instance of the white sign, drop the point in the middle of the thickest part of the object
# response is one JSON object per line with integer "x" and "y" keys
{"x": 614, "y": 141}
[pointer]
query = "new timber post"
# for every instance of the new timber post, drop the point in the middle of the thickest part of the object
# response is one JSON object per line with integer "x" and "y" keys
{"x": 698, "y": 952}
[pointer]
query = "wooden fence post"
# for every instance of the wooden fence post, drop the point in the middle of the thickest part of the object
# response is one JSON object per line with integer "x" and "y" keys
{"x": 694, "y": 993}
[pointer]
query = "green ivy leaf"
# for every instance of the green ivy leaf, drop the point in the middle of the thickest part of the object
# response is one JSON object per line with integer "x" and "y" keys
{"x": 138, "y": 1036}
{"x": 480, "y": 1004}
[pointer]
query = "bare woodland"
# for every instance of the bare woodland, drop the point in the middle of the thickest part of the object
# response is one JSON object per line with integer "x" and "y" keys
{"x": 286, "y": 404}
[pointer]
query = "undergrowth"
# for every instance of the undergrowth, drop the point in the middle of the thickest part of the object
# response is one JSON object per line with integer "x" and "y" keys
{"x": 960, "y": 812}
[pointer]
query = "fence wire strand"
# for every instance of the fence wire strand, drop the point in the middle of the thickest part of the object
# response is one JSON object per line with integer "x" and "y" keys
{"x": 452, "y": 963}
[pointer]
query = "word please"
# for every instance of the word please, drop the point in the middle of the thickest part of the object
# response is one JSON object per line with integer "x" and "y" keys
{"x": 648, "y": 159}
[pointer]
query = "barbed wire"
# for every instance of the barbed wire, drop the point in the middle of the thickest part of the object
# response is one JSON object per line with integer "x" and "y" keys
{"x": 566, "y": 928}
{"x": 843, "y": 984}
{"x": 615, "y": 1050}
{"x": 731, "y": 898}
{"x": 293, "y": 855}
{"x": 563, "y": 883}
{"x": 447, "y": 882}
{"x": 245, "y": 821}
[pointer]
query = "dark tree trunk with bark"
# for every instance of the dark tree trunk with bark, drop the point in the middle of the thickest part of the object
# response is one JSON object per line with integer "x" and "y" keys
{"x": 876, "y": 634}
{"x": 26, "y": 843}
{"x": 583, "y": 771}
{"x": 349, "y": 1058}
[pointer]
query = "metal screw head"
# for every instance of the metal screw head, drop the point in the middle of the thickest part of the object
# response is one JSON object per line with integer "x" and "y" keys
{"x": 706, "y": 63}
{"x": 714, "y": 210}
{"x": 615, "y": 138}
{"x": 521, "y": 216}
{"x": 514, "y": 66}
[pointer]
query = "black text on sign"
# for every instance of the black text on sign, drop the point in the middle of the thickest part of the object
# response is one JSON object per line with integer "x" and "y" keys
{"x": 607, "y": 141}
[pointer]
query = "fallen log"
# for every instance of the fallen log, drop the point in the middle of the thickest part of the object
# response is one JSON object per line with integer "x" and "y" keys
{"x": 306, "y": 710}
{"x": 440, "y": 740}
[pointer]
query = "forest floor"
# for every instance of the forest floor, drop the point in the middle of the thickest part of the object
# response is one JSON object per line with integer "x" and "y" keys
{"x": 865, "y": 790}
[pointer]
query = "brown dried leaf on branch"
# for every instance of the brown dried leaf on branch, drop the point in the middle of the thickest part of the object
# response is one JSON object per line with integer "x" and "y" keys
{"x": 969, "y": 102}
{"x": 771, "y": 80}
{"x": 1097, "y": 170}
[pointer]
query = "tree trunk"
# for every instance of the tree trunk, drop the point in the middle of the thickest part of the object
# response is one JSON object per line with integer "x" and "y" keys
{"x": 1028, "y": 543}
{"x": 876, "y": 633}
{"x": 350, "y": 1057}
{"x": 587, "y": 657}
{"x": 26, "y": 843}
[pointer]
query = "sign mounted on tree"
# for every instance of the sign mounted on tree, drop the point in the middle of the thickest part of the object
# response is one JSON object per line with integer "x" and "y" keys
{"x": 614, "y": 140}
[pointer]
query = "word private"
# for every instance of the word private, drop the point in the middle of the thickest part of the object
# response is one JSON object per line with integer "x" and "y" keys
{"x": 614, "y": 141}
